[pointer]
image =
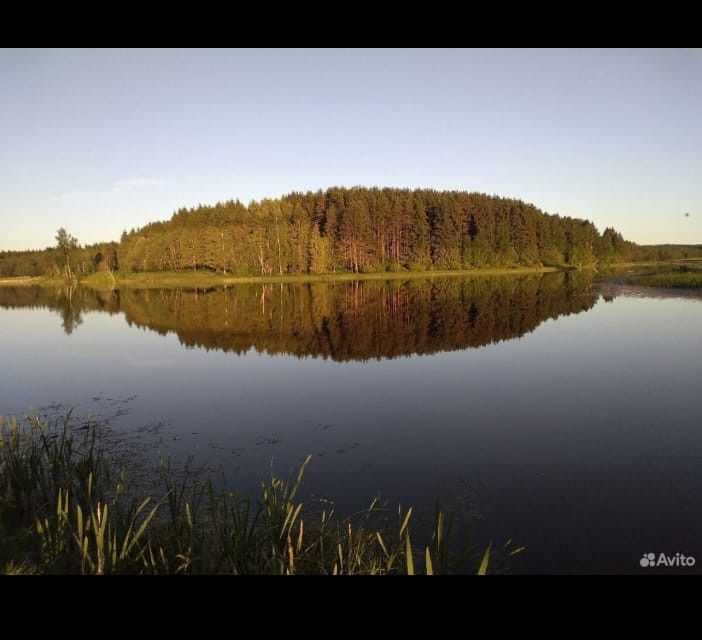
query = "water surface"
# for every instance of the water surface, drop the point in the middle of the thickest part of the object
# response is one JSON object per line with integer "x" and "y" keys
{"x": 563, "y": 418}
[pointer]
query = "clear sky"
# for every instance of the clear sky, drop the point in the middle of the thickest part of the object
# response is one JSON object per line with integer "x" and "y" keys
{"x": 102, "y": 141}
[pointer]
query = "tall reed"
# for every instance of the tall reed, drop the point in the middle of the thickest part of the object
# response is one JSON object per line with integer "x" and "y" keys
{"x": 65, "y": 508}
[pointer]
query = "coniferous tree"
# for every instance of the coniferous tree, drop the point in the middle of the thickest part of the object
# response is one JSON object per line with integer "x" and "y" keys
{"x": 354, "y": 230}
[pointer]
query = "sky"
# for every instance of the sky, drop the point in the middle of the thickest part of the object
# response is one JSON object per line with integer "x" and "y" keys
{"x": 101, "y": 141}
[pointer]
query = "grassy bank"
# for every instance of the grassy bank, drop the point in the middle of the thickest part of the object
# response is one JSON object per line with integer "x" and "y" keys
{"x": 66, "y": 508}
{"x": 105, "y": 280}
{"x": 684, "y": 277}
{"x": 20, "y": 281}
{"x": 200, "y": 279}
{"x": 204, "y": 279}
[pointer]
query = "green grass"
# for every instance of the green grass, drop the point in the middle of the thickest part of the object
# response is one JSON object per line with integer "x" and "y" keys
{"x": 43, "y": 281}
{"x": 204, "y": 279}
{"x": 200, "y": 279}
{"x": 684, "y": 277}
{"x": 18, "y": 281}
{"x": 65, "y": 508}
{"x": 102, "y": 280}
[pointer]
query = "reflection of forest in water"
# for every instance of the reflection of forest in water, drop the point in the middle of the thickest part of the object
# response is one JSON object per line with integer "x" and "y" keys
{"x": 342, "y": 321}
{"x": 69, "y": 302}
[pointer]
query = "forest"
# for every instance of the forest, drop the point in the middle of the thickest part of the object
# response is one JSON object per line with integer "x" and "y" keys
{"x": 350, "y": 230}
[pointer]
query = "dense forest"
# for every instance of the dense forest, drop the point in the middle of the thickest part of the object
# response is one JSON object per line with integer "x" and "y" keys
{"x": 54, "y": 261}
{"x": 341, "y": 321}
{"x": 348, "y": 230}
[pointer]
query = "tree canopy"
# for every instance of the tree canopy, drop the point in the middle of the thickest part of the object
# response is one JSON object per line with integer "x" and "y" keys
{"x": 347, "y": 230}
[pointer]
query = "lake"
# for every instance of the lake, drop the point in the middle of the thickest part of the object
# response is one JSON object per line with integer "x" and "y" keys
{"x": 549, "y": 409}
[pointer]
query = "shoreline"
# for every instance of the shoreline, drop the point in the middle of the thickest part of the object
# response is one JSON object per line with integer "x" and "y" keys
{"x": 106, "y": 280}
{"x": 171, "y": 279}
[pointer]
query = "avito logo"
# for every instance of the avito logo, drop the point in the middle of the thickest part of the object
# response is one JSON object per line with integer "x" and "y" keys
{"x": 662, "y": 560}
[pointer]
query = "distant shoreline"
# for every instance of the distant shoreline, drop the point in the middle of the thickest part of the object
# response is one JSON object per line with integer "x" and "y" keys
{"x": 167, "y": 279}
{"x": 20, "y": 280}
{"x": 199, "y": 279}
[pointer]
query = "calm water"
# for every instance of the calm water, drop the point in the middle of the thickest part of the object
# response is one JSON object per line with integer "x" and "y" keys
{"x": 536, "y": 407}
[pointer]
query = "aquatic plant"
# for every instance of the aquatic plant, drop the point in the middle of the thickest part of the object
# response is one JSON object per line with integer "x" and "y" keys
{"x": 66, "y": 508}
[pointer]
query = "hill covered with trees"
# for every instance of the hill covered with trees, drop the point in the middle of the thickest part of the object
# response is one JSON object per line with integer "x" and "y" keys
{"x": 365, "y": 230}
{"x": 353, "y": 230}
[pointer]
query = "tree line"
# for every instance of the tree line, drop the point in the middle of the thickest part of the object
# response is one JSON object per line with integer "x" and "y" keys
{"x": 350, "y": 230}
{"x": 67, "y": 259}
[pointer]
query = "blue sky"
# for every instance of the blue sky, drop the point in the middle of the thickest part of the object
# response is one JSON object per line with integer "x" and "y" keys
{"x": 102, "y": 141}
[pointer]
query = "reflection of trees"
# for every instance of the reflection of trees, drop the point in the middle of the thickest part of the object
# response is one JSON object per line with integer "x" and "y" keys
{"x": 68, "y": 301}
{"x": 70, "y": 312}
{"x": 363, "y": 319}
{"x": 342, "y": 321}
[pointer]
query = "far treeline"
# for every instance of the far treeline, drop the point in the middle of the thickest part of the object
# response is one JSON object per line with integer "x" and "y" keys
{"x": 356, "y": 230}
